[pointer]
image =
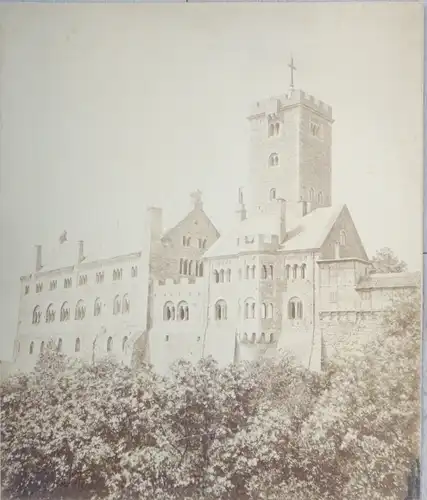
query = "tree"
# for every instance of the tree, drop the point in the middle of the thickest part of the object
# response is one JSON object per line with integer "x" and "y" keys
{"x": 385, "y": 261}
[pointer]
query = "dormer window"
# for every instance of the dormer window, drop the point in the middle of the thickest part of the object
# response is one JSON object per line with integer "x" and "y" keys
{"x": 273, "y": 160}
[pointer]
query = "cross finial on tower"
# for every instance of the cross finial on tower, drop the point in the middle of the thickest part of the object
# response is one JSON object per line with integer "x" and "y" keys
{"x": 293, "y": 68}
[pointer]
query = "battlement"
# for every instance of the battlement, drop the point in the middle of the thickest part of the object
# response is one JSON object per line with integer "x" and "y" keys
{"x": 268, "y": 242}
{"x": 178, "y": 281}
{"x": 257, "y": 338}
{"x": 273, "y": 105}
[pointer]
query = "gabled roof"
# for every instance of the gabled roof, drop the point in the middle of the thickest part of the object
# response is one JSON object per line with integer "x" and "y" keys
{"x": 389, "y": 280}
{"x": 303, "y": 233}
{"x": 196, "y": 211}
{"x": 311, "y": 231}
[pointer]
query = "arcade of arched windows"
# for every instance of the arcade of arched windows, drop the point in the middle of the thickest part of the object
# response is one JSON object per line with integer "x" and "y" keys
{"x": 190, "y": 267}
{"x": 180, "y": 313}
{"x": 222, "y": 275}
{"x": 296, "y": 272}
{"x": 252, "y": 338}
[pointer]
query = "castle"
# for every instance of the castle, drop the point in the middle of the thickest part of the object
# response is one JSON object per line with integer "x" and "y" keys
{"x": 292, "y": 275}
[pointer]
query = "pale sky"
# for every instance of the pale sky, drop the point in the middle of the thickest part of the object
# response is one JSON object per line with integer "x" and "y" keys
{"x": 106, "y": 109}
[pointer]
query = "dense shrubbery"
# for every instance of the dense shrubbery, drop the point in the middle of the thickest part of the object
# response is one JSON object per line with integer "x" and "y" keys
{"x": 268, "y": 430}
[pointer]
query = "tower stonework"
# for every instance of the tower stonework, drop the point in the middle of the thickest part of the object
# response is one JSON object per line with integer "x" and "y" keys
{"x": 290, "y": 150}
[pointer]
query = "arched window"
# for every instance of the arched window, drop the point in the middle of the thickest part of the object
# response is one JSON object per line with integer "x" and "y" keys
{"x": 221, "y": 310}
{"x": 110, "y": 344}
{"x": 303, "y": 271}
{"x": 343, "y": 238}
{"x": 125, "y": 304}
{"x": 262, "y": 338}
{"x": 168, "y": 311}
{"x": 271, "y": 272}
{"x": 247, "y": 272}
{"x": 190, "y": 268}
{"x": 124, "y": 342}
{"x": 311, "y": 194}
{"x": 31, "y": 348}
{"x": 320, "y": 198}
{"x": 263, "y": 311}
{"x": 253, "y": 340}
{"x": 36, "y": 315}
{"x": 181, "y": 265}
{"x": 41, "y": 347}
{"x": 64, "y": 314}
{"x": 273, "y": 160}
{"x": 271, "y": 338}
{"x": 271, "y": 130}
{"x": 250, "y": 308}
{"x": 287, "y": 271}
{"x": 229, "y": 275}
{"x": 185, "y": 267}
{"x": 239, "y": 273}
{"x": 295, "y": 309}
{"x": 183, "y": 312}
{"x": 216, "y": 276}
{"x": 59, "y": 346}
{"x": 221, "y": 276}
{"x": 50, "y": 314}
{"x": 272, "y": 194}
{"x": 277, "y": 128}
{"x": 114, "y": 275}
{"x": 295, "y": 272}
{"x": 184, "y": 241}
{"x": 77, "y": 345}
{"x": 270, "y": 310}
{"x": 264, "y": 272}
{"x": 80, "y": 311}
{"x": 197, "y": 268}
{"x": 134, "y": 271}
{"x": 200, "y": 268}
{"x": 245, "y": 338}
{"x": 253, "y": 271}
{"x": 116, "y": 305}
{"x": 97, "y": 307}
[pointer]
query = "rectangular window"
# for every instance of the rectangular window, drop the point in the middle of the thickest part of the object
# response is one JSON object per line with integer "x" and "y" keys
{"x": 39, "y": 287}
{"x": 52, "y": 285}
{"x": 27, "y": 289}
{"x": 333, "y": 296}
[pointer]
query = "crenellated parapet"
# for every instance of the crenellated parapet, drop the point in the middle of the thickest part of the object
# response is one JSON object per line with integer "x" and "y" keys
{"x": 259, "y": 242}
{"x": 257, "y": 338}
{"x": 272, "y": 107}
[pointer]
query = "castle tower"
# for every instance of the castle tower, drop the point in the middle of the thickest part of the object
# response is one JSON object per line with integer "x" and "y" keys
{"x": 290, "y": 156}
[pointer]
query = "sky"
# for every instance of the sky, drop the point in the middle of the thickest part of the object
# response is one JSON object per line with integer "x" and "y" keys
{"x": 107, "y": 109}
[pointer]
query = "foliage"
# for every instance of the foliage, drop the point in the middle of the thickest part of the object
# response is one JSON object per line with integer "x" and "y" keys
{"x": 385, "y": 261}
{"x": 254, "y": 431}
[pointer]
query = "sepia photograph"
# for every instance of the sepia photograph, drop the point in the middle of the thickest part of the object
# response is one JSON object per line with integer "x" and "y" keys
{"x": 211, "y": 251}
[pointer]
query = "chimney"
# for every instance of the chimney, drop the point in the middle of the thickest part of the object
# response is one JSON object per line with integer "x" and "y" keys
{"x": 155, "y": 223}
{"x": 80, "y": 251}
{"x": 337, "y": 250}
{"x": 38, "y": 258}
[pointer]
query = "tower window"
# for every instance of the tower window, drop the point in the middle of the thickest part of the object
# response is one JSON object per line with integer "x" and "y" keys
{"x": 273, "y": 160}
{"x": 295, "y": 310}
{"x": 221, "y": 310}
{"x": 183, "y": 312}
{"x": 272, "y": 194}
{"x": 315, "y": 129}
